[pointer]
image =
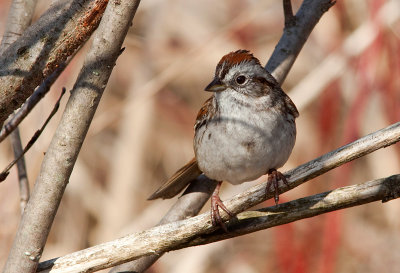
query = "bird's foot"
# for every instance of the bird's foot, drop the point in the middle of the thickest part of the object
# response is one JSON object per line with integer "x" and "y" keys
{"x": 273, "y": 178}
{"x": 216, "y": 203}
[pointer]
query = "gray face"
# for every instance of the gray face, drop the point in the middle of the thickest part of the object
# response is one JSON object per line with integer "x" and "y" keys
{"x": 247, "y": 77}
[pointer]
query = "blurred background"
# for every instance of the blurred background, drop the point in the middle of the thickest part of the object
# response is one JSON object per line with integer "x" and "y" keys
{"x": 345, "y": 83}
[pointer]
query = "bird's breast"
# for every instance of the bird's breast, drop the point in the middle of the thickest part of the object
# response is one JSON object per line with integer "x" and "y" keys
{"x": 242, "y": 142}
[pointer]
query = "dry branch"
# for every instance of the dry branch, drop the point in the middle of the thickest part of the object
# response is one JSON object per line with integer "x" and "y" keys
{"x": 334, "y": 65}
{"x": 188, "y": 205}
{"x": 43, "y": 47}
{"x": 23, "y": 181}
{"x": 279, "y": 64}
{"x": 36, "y": 135}
{"x": 31, "y": 102}
{"x": 19, "y": 18}
{"x": 384, "y": 189}
{"x": 290, "y": 19}
{"x": 168, "y": 237}
{"x": 63, "y": 151}
{"x": 295, "y": 36}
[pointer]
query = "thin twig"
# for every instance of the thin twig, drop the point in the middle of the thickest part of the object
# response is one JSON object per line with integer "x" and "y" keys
{"x": 5, "y": 172}
{"x": 19, "y": 18}
{"x": 22, "y": 175}
{"x": 168, "y": 237}
{"x": 67, "y": 141}
{"x": 293, "y": 38}
{"x": 290, "y": 19}
{"x": 334, "y": 64}
{"x": 26, "y": 108}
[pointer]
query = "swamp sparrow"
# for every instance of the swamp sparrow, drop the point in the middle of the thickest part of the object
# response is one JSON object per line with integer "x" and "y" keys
{"x": 244, "y": 130}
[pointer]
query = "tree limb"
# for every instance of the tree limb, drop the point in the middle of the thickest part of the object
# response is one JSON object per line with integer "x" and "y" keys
{"x": 31, "y": 102}
{"x": 19, "y": 18}
{"x": 21, "y": 168}
{"x": 64, "y": 148}
{"x": 295, "y": 36}
{"x": 64, "y": 27}
{"x": 290, "y": 19}
{"x": 308, "y": 16}
{"x": 188, "y": 205}
{"x": 158, "y": 240}
{"x": 384, "y": 189}
{"x": 36, "y": 135}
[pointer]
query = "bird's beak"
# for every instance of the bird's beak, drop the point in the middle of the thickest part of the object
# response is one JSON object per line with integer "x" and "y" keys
{"x": 215, "y": 86}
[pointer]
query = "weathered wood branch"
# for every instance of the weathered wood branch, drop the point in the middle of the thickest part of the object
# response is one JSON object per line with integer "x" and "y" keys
{"x": 168, "y": 237}
{"x": 34, "y": 56}
{"x": 19, "y": 18}
{"x": 384, "y": 189}
{"x": 295, "y": 36}
{"x": 64, "y": 148}
{"x": 188, "y": 205}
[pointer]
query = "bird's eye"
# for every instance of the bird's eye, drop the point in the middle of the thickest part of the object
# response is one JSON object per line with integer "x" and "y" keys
{"x": 240, "y": 79}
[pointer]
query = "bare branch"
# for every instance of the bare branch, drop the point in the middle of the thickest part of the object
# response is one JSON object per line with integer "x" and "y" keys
{"x": 384, "y": 189}
{"x": 43, "y": 47}
{"x": 188, "y": 205}
{"x": 19, "y": 18}
{"x": 157, "y": 240}
{"x": 5, "y": 172}
{"x": 22, "y": 175}
{"x": 65, "y": 146}
{"x": 290, "y": 19}
{"x": 295, "y": 36}
{"x": 278, "y": 56}
{"x": 27, "y": 107}
{"x": 334, "y": 64}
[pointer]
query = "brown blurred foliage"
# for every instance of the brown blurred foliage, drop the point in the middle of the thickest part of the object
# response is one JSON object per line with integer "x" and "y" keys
{"x": 143, "y": 130}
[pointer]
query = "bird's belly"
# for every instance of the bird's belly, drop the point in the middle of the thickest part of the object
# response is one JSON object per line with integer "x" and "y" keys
{"x": 236, "y": 151}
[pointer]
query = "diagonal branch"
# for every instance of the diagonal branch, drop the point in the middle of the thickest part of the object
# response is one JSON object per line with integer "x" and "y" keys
{"x": 36, "y": 135}
{"x": 290, "y": 19}
{"x": 285, "y": 53}
{"x": 64, "y": 148}
{"x": 19, "y": 18}
{"x": 170, "y": 236}
{"x": 295, "y": 36}
{"x": 384, "y": 189}
{"x": 31, "y": 102}
{"x": 23, "y": 181}
{"x": 64, "y": 27}
{"x": 188, "y": 205}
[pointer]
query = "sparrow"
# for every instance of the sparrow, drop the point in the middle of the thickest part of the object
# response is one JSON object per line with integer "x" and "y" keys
{"x": 244, "y": 130}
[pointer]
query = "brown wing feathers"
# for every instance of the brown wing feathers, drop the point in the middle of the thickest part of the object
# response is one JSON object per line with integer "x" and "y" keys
{"x": 178, "y": 181}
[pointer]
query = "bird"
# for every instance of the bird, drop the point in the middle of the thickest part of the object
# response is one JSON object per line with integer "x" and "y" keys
{"x": 246, "y": 129}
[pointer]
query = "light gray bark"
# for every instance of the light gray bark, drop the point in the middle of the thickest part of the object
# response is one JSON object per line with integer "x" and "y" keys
{"x": 64, "y": 27}
{"x": 67, "y": 141}
{"x": 184, "y": 233}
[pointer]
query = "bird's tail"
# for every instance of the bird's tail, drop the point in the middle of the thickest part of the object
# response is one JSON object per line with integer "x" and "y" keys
{"x": 178, "y": 181}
